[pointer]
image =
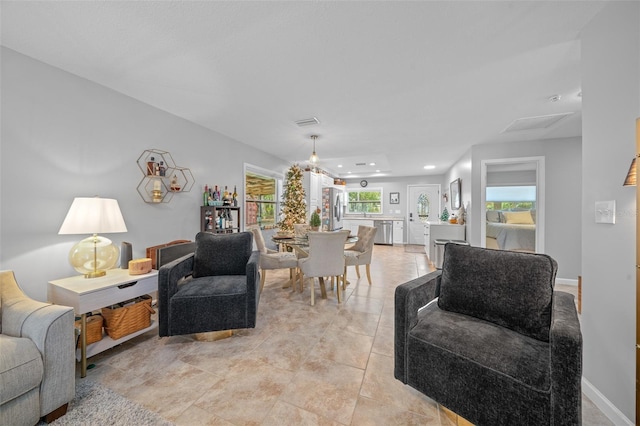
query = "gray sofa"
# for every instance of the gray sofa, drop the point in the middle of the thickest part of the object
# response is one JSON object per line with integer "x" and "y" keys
{"x": 37, "y": 357}
{"x": 489, "y": 338}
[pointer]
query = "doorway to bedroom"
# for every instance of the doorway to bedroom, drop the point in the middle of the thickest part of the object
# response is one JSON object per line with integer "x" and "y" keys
{"x": 513, "y": 204}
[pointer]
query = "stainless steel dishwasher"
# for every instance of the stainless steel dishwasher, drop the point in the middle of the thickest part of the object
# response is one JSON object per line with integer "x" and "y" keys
{"x": 384, "y": 233}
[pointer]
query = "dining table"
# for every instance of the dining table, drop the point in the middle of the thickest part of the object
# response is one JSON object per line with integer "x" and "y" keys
{"x": 300, "y": 244}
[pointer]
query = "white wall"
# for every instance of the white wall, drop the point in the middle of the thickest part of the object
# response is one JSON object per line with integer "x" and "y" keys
{"x": 562, "y": 194}
{"x": 460, "y": 170}
{"x": 611, "y": 104}
{"x": 64, "y": 136}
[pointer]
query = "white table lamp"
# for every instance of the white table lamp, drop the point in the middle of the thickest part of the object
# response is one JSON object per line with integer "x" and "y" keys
{"x": 93, "y": 255}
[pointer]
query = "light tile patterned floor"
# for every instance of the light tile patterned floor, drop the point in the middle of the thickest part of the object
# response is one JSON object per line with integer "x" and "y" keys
{"x": 327, "y": 364}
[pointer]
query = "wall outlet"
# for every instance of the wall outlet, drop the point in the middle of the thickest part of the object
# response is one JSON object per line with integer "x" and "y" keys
{"x": 606, "y": 211}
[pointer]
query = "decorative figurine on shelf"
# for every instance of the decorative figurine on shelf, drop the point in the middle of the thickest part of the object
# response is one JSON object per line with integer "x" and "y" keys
{"x": 315, "y": 221}
{"x": 235, "y": 196}
{"x": 445, "y": 215}
{"x": 156, "y": 194}
{"x": 174, "y": 186}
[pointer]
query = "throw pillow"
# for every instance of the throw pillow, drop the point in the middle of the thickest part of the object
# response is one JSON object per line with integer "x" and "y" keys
{"x": 494, "y": 216}
{"x": 522, "y": 218}
{"x": 507, "y": 288}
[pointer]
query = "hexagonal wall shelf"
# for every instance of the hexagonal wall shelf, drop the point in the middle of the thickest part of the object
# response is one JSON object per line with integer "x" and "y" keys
{"x": 162, "y": 177}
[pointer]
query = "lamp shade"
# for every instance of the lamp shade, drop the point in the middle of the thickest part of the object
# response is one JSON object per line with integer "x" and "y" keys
{"x": 630, "y": 180}
{"x": 93, "y": 216}
{"x": 93, "y": 255}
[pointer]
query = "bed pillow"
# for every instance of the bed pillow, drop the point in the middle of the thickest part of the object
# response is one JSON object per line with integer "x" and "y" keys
{"x": 520, "y": 218}
{"x": 494, "y": 216}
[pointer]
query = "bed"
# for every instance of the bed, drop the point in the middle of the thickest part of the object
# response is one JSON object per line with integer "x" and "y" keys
{"x": 511, "y": 230}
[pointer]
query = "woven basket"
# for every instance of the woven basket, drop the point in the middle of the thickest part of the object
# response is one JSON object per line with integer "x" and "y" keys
{"x": 94, "y": 329}
{"x": 120, "y": 322}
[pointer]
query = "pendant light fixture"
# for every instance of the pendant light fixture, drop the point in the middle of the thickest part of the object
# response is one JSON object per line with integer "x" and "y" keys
{"x": 314, "y": 157}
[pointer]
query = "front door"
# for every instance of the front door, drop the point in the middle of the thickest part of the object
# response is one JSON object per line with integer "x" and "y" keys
{"x": 424, "y": 205}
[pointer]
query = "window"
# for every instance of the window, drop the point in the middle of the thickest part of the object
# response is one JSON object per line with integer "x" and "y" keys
{"x": 261, "y": 197}
{"x": 511, "y": 198}
{"x": 365, "y": 201}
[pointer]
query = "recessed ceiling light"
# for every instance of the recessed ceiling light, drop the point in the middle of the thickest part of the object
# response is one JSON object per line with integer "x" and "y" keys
{"x": 429, "y": 167}
{"x": 554, "y": 98}
{"x": 349, "y": 171}
{"x": 372, "y": 164}
{"x": 339, "y": 165}
{"x": 378, "y": 171}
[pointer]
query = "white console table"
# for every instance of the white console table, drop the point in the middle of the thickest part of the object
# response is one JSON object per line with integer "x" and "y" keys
{"x": 85, "y": 295}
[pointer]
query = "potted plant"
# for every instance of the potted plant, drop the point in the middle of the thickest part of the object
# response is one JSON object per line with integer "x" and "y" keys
{"x": 315, "y": 221}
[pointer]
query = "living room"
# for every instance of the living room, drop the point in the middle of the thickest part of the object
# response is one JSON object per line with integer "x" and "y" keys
{"x": 64, "y": 136}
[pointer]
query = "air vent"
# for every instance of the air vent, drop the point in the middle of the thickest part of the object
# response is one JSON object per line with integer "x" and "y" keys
{"x": 361, "y": 164}
{"x": 533, "y": 123}
{"x": 307, "y": 122}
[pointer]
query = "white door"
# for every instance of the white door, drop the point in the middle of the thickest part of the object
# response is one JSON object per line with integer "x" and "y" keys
{"x": 424, "y": 205}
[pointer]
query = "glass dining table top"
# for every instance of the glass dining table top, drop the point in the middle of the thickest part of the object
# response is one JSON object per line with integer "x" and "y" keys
{"x": 304, "y": 241}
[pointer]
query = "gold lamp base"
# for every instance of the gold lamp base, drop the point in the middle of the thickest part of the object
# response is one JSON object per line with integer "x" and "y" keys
{"x": 95, "y": 274}
{"x": 93, "y": 256}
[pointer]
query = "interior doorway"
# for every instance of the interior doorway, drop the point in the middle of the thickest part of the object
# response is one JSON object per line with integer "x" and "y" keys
{"x": 513, "y": 204}
{"x": 423, "y": 205}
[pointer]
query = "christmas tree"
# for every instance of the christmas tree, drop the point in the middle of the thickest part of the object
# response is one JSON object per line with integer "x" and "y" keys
{"x": 294, "y": 206}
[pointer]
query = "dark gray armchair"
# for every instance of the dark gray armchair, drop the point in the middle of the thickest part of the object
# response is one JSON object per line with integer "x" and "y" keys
{"x": 488, "y": 338}
{"x": 215, "y": 288}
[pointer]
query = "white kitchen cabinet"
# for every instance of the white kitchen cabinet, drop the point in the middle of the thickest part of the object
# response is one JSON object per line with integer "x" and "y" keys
{"x": 326, "y": 180}
{"x": 398, "y": 232}
{"x": 352, "y": 224}
{"x": 443, "y": 231}
{"x": 312, "y": 185}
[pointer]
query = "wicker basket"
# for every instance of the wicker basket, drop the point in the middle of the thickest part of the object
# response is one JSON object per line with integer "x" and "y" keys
{"x": 128, "y": 319}
{"x": 94, "y": 329}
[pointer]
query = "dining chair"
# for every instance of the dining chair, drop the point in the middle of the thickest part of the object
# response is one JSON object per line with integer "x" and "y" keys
{"x": 360, "y": 253}
{"x": 272, "y": 259}
{"x": 326, "y": 259}
{"x": 300, "y": 230}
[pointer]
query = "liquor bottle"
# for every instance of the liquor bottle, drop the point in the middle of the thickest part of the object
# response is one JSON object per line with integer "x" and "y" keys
{"x": 216, "y": 194}
{"x": 205, "y": 196}
{"x": 151, "y": 166}
{"x": 235, "y": 196}
{"x": 162, "y": 169}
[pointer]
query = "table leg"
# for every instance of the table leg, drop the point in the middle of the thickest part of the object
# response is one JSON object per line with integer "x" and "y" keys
{"x": 83, "y": 345}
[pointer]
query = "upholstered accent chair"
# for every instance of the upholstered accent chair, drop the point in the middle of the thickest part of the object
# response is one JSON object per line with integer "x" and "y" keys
{"x": 37, "y": 356}
{"x": 488, "y": 338}
{"x": 360, "y": 253}
{"x": 326, "y": 259}
{"x": 215, "y": 288}
{"x": 272, "y": 259}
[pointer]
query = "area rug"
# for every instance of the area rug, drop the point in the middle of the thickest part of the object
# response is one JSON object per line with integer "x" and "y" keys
{"x": 414, "y": 248}
{"x": 97, "y": 405}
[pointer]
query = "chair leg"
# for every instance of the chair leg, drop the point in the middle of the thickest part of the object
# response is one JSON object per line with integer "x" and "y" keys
{"x": 358, "y": 271}
{"x": 313, "y": 290}
{"x": 369, "y": 273}
{"x": 262, "y": 278}
{"x": 338, "y": 289}
{"x": 323, "y": 289}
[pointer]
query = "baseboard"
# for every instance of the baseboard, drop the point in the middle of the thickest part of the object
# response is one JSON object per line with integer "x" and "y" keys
{"x": 566, "y": 281}
{"x": 607, "y": 408}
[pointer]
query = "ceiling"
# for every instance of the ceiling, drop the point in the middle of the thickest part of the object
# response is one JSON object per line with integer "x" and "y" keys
{"x": 399, "y": 84}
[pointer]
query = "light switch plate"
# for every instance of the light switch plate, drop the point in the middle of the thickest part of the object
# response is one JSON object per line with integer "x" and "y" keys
{"x": 606, "y": 211}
